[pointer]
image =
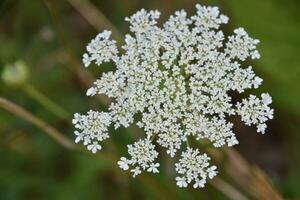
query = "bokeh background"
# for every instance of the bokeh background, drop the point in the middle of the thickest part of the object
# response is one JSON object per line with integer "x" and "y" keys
{"x": 41, "y": 44}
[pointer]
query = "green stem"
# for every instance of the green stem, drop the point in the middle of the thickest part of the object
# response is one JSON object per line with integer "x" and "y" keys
{"x": 46, "y": 102}
{"x": 153, "y": 137}
{"x": 187, "y": 142}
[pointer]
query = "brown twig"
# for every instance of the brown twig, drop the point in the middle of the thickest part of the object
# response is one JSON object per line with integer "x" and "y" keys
{"x": 20, "y": 112}
{"x": 72, "y": 62}
{"x": 95, "y": 17}
{"x": 249, "y": 177}
{"x": 227, "y": 189}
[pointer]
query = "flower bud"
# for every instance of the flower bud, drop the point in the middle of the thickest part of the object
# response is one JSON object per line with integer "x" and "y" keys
{"x": 15, "y": 74}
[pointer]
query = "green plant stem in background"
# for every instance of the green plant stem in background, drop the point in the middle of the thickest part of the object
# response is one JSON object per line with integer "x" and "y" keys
{"x": 46, "y": 102}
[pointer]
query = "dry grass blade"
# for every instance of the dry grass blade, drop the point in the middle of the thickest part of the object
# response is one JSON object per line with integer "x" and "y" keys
{"x": 71, "y": 61}
{"x": 21, "y": 112}
{"x": 95, "y": 18}
{"x": 251, "y": 179}
{"x": 227, "y": 189}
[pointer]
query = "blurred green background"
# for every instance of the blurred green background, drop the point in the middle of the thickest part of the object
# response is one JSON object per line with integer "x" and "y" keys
{"x": 49, "y": 37}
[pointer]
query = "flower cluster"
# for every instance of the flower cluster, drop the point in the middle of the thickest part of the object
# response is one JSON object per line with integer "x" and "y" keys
{"x": 142, "y": 155}
{"x": 194, "y": 166}
{"x": 256, "y": 111}
{"x": 93, "y": 128}
{"x": 178, "y": 78}
{"x": 100, "y": 49}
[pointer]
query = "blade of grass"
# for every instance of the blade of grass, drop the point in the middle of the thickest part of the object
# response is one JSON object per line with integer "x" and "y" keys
{"x": 22, "y": 113}
{"x": 250, "y": 178}
{"x": 72, "y": 62}
{"x": 96, "y": 18}
{"x": 227, "y": 189}
{"x": 46, "y": 102}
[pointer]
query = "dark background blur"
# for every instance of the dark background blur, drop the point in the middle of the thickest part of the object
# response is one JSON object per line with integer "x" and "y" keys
{"x": 49, "y": 38}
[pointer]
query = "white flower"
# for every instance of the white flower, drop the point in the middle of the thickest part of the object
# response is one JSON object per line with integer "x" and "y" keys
{"x": 153, "y": 168}
{"x": 212, "y": 171}
{"x": 179, "y": 79}
{"x": 199, "y": 183}
{"x": 86, "y": 59}
{"x": 181, "y": 182}
{"x": 241, "y": 46}
{"x": 80, "y": 136}
{"x": 232, "y": 141}
{"x": 266, "y": 98}
{"x": 261, "y": 128}
{"x": 208, "y": 17}
{"x": 91, "y": 91}
{"x": 136, "y": 171}
{"x": 240, "y": 32}
{"x": 257, "y": 82}
{"x": 124, "y": 163}
{"x": 94, "y": 147}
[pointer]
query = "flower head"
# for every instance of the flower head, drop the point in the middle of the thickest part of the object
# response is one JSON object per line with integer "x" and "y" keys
{"x": 178, "y": 78}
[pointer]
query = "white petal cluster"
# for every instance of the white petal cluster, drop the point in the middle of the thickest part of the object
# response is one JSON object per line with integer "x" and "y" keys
{"x": 178, "y": 80}
{"x": 241, "y": 46}
{"x": 194, "y": 167}
{"x": 100, "y": 49}
{"x": 143, "y": 155}
{"x": 91, "y": 129}
{"x": 256, "y": 111}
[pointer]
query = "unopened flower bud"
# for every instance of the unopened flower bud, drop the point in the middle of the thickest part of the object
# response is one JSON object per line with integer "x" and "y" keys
{"x": 15, "y": 74}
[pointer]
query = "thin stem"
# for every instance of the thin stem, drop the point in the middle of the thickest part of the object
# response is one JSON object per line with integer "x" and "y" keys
{"x": 46, "y": 102}
{"x": 95, "y": 17}
{"x": 227, "y": 189}
{"x": 72, "y": 62}
{"x": 24, "y": 114}
{"x": 251, "y": 178}
{"x": 153, "y": 137}
{"x": 187, "y": 142}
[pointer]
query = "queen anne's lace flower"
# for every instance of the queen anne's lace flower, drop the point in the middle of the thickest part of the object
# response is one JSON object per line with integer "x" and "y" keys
{"x": 178, "y": 78}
